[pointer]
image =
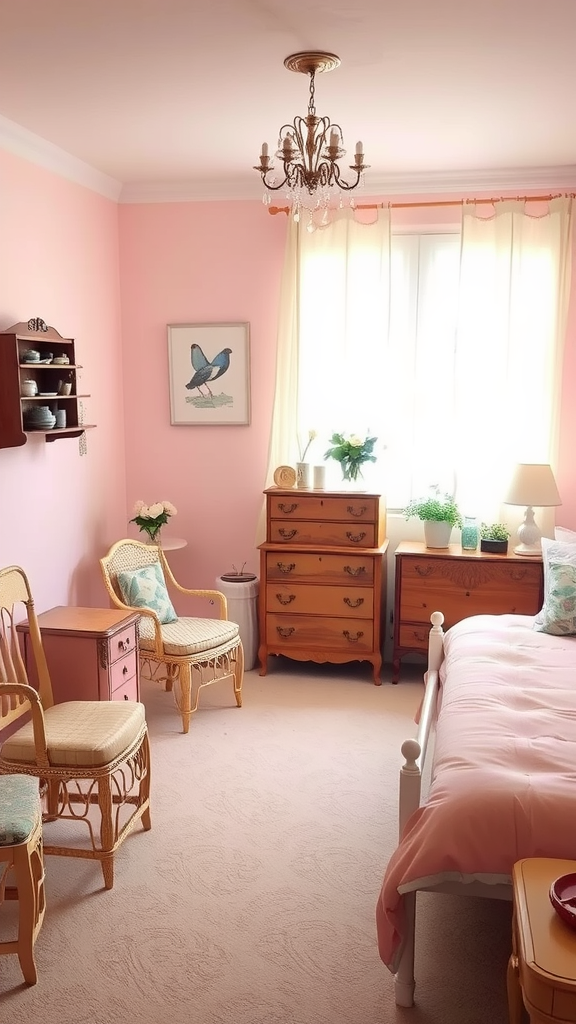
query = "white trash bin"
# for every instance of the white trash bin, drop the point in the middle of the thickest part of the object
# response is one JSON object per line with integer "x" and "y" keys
{"x": 241, "y": 593}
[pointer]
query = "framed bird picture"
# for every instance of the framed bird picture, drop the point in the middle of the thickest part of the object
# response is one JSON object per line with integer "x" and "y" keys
{"x": 209, "y": 367}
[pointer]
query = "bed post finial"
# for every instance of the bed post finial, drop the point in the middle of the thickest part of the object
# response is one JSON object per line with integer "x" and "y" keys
{"x": 437, "y": 620}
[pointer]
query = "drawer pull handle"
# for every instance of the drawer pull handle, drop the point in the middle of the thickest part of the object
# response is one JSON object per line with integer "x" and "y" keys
{"x": 356, "y": 538}
{"x": 285, "y": 631}
{"x": 354, "y": 604}
{"x": 124, "y": 671}
{"x": 287, "y": 509}
{"x": 286, "y": 598}
{"x": 287, "y": 534}
{"x": 353, "y": 639}
{"x": 357, "y": 512}
{"x": 126, "y": 697}
{"x": 355, "y": 571}
{"x": 286, "y": 568}
{"x": 124, "y": 645}
{"x": 424, "y": 570}
{"x": 418, "y": 635}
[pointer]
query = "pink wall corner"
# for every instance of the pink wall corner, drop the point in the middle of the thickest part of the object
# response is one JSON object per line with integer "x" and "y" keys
{"x": 199, "y": 263}
{"x": 59, "y": 261}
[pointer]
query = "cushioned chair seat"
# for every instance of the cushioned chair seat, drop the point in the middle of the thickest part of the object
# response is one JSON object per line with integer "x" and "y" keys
{"x": 83, "y": 733}
{"x": 189, "y": 636}
{"x": 19, "y": 808}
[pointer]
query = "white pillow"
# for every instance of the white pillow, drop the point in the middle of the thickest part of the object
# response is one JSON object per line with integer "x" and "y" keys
{"x": 554, "y": 552}
{"x": 561, "y": 533}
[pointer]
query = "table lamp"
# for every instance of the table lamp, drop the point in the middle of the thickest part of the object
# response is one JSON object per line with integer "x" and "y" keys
{"x": 532, "y": 484}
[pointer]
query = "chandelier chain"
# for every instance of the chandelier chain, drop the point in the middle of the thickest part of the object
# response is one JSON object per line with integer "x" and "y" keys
{"x": 311, "y": 105}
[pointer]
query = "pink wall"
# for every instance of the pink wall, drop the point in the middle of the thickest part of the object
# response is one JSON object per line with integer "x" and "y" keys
{"x": 59, "y": 261}
{"x": 199, "y": 263}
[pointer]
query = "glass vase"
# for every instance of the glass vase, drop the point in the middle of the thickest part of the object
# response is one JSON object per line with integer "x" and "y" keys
{"x": 470, "y": 533}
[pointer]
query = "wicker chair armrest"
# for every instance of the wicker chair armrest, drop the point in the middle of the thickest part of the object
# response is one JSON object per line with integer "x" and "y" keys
{"x": 38, "y": 727}
{"x": 212, "y": 595}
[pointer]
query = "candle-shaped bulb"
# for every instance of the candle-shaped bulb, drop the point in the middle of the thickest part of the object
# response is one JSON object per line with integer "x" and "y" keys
{"x": 334, "y": 139}
{"x": 264, "y": 149}
{"x": 359, "y": 148}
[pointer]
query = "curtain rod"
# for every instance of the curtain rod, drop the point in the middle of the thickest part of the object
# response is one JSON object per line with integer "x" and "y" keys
{"x": 445, "y": 202}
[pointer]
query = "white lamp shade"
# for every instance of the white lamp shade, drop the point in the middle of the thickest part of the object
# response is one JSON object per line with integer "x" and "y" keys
{"x": 533, "y": 484}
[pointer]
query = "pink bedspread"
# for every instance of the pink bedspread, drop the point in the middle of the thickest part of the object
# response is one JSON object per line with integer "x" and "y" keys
{"x": 504, "y": 778}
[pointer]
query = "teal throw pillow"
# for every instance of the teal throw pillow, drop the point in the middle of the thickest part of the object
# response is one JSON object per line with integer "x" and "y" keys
{"x": 146, "y": 588}
{"x": 558, "y": 616}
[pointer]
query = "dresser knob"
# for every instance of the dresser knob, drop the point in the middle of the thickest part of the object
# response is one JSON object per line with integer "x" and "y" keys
{"x": 357, "y": 512}
{"x": 126, "y": 697}
{"x": 124, "y": 671}
{"x": 354, "y": 571}
{"x": 353, "y": 639}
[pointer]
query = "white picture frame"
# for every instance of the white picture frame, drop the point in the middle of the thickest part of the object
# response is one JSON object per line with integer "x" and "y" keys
{"x": 217, "y": 358}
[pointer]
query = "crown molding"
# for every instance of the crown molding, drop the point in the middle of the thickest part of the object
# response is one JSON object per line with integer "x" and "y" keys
{"x": 23, "y": 143}
{"x": 519, "y": 179}
{"x": 18, "y": 140}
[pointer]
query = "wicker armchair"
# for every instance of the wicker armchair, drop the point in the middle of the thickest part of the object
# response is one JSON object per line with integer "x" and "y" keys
{"x": 186, "y": 654}
{"x": 22, "y": 864}
{"x": 92, "y": 757}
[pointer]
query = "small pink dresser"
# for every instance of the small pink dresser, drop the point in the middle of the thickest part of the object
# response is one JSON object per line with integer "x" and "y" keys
{"x": 92, "y": 653}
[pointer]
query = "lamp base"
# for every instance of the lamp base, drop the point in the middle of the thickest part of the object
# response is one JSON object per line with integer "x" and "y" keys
{"x": 528, "y": 550}
{"x": 529, "y": 536}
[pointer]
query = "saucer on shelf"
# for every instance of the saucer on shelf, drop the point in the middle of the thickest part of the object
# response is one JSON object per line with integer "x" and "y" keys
{"x": 48, "y": 394}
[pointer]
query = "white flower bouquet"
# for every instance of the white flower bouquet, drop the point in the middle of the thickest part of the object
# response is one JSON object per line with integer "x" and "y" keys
{"x": 151, "y": 518}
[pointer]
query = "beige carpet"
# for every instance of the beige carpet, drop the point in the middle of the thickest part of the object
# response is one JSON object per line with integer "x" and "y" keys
{"x": 252, "y": 899}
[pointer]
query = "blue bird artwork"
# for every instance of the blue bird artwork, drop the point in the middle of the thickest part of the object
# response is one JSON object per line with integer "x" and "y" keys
{"x": 205, "y": 372}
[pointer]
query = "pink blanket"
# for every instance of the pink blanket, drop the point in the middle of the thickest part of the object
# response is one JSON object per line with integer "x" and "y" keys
{"x": 504, "y": 777}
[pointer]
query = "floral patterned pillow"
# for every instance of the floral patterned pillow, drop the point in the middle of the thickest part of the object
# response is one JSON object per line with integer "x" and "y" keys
{"x": 558, "y": 616}
{"x": 146, "y": 588}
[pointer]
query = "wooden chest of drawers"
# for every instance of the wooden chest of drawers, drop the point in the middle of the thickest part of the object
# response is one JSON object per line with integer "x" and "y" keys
{"x": 92, "y": 653}
{"x": 457, "y": 583}
{"x": 323, "y": 577}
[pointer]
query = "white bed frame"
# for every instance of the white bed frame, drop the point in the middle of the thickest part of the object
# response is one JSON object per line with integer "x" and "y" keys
{"x": 410, "y": 797}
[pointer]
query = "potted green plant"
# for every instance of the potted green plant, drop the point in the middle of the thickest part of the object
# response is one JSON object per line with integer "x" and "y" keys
{"x": 494, "y": 538}
{"x": 439, "y": 513}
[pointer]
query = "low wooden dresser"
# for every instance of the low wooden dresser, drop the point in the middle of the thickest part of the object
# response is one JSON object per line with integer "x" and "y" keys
{"x": 542, "y": 968}
{"x": 92, "y": 653}
{"x": 458, "y": 583}
{"x": 323, "y": 577}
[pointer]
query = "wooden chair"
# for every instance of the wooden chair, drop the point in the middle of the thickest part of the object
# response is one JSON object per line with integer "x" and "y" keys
{"x": 93, "y": 757}
{"x": 22, "y": 864}
{"x": 189, "y": 653}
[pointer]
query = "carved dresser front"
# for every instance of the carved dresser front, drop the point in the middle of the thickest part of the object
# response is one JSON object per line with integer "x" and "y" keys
{"x": 323, "y": 575}
{"x": 457, "y": 583}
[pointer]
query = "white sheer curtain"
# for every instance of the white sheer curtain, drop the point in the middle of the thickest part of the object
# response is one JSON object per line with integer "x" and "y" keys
{"x": 332, "y": 337}
{"x": 512, "y": 309}
{"x": 448, "y": 347}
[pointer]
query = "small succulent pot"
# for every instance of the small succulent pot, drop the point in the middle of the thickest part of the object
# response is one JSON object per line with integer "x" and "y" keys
{"x": 495, "y": 547}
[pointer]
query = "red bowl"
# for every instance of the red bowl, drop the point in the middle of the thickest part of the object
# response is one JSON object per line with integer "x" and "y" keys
{"x": 563, "y": 898}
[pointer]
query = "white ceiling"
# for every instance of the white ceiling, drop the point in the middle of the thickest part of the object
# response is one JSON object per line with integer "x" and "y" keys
{"x": 173, "y": 98}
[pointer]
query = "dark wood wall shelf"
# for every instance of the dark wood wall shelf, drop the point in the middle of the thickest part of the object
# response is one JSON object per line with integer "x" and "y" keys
{"x": 15, "y": 428}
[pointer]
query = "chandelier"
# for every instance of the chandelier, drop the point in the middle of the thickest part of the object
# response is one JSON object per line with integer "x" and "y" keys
{"x": 309, "y": 149}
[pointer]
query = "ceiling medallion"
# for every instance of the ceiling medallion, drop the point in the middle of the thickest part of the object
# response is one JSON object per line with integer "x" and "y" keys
{"x": 309, "y": 149}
